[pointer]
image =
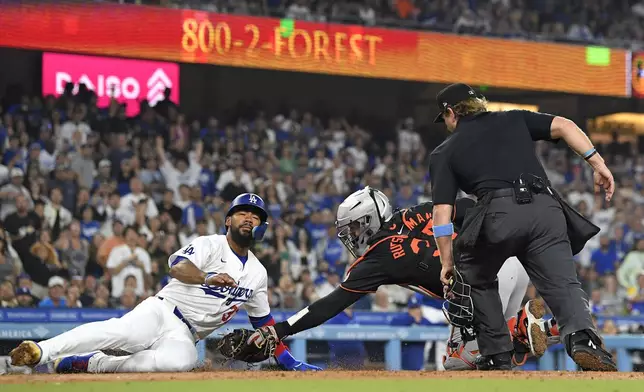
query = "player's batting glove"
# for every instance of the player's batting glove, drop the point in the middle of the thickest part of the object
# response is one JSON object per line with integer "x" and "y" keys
{"x": 288, "y": 362}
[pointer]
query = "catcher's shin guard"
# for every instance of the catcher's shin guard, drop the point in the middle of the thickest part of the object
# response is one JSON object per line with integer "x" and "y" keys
{"x": 458, "y": 307}
{"x": 462, "y": 350}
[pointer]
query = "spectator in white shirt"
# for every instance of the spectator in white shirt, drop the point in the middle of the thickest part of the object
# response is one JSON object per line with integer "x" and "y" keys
{"x": 112, "y": 213}
{"x": 325, "y": 288}
{"x": 358, "y": 155}
{"x": 130, "y": 201}
{"x": 339, "y": 175}
{"x": 235, "y": 174}
{"x": 408, "y": 139}
{"x": 74, "y": 131}
{"x": 579, "y": 193}
{"x": 367, "y": 14}
{"x": 4, "y": 174}
{"x": 384, "y": 164}
{"x": 54, "y": 209}
{"x": 320, "y": 162}
{"x": 129, "y": 259}
{"x": 184, "y": 173}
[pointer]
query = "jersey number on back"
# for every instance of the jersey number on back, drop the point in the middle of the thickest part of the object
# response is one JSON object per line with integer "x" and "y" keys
{"x": 428, "y": 228}
{"x": 190, "y": 250}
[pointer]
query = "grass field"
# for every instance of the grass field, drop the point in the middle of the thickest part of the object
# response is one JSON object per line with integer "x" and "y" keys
{"x": 332, "y": 381}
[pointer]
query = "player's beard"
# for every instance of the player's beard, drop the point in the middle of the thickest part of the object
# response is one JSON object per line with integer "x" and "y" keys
{"x": 243, "y": 240}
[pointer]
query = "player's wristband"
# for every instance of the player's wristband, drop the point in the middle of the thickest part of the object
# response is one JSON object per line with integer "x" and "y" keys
{"x": 443, "y": 230}
{"x": 590, "y": 153}
{"x": 208, "y": 276}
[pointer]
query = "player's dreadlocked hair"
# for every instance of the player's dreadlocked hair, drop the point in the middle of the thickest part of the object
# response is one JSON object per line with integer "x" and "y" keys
{"x": 470, "y": 106}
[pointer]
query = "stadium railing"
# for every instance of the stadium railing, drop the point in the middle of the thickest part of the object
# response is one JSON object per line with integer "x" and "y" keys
{"x": 39, "y": 324}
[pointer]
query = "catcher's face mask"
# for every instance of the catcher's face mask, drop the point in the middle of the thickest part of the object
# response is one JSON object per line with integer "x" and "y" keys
{"x": 458, "y": 307}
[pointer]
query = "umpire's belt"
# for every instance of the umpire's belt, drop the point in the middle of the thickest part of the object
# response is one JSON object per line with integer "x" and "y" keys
{"x": 509, "y": 192}
{"x": 506, "y": 192}
{"x": 179, "y": 315}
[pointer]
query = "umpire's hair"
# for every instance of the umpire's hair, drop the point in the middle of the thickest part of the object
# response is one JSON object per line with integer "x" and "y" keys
{"x": 470, "y": 106}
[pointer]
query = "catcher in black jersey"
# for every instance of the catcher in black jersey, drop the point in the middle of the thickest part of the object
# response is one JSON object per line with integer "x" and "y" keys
{"x": 391, "y": 247}
{"x": 403, "y": 251}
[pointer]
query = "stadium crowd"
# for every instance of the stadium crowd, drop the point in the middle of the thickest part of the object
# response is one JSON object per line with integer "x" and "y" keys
{"x": 611, "y": 22}
{"x": 92, "y": 203}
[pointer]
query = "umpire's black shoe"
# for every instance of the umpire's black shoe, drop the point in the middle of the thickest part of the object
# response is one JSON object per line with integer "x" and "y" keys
{"x": 585, "y": 348}
{"x": 502, "y": 361}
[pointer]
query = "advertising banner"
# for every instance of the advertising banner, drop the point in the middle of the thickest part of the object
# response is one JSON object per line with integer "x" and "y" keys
{"x": 243, "y": 41}
{"x": 637, "y": 74}
{"x": 129, "y": 81}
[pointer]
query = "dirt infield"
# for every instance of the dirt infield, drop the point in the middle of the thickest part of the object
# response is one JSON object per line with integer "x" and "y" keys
{"x": 338, "y": 375}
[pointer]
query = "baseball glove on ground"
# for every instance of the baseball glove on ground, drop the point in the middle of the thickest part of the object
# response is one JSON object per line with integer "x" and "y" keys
{"x": 248, "y": 346}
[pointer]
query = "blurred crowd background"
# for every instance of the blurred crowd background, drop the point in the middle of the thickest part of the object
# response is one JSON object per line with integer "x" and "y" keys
{"x": 619, "y": 23}
{"x": 92, "y": 202}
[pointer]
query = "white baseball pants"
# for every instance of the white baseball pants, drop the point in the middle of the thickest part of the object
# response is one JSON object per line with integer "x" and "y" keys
{"x": 157, "y": 339}
{"x": 513, "y": 284}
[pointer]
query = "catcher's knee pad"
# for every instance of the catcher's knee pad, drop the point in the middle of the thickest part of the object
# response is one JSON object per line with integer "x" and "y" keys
{"x": 462, "y": 357}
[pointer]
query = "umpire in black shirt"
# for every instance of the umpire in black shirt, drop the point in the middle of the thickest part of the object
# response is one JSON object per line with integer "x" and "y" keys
{"x": 492, "y": 156}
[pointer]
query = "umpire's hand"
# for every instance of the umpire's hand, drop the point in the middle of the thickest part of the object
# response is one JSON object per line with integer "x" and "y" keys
{"x": 603, "y": 178}
{"x": 447, "y": 272}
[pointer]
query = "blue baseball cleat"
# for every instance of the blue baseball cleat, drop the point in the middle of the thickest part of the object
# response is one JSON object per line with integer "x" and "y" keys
{"x": 73, "y": 363}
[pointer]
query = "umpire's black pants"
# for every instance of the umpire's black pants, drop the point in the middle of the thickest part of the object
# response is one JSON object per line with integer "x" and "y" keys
{"x": 536, "y": 233}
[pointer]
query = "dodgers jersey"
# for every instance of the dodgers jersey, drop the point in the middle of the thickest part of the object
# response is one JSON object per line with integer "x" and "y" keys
{"x": 208, "y": 307}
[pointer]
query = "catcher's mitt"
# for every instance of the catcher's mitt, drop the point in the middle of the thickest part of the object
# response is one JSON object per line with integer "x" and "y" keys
{"x": 237, "y": 345}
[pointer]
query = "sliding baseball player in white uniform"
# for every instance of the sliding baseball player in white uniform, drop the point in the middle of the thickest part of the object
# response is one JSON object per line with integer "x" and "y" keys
{"x": 213, "y": 277}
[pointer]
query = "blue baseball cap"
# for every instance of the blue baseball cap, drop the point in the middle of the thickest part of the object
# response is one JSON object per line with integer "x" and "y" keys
{"x": 413, "y": 302}
{"x": 23, "y": 291}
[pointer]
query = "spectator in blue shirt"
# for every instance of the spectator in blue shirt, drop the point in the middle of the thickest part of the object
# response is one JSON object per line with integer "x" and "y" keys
{"x": 331, "y": 249}
{"x": 618, "y": 243}
{"x": 605, "y": 258}
{"x": 207, "y": 181}
{"x": 406, "y": 197}
{"x": 194, "y": 211}
{"x": 11, "y": 152}
{"x": 24, "y": 298}
{"x": 413, "y": 353}
{"x": 316, "y": 228}
{"x": 89, "y": 225}
{"x": 56, "y": 298}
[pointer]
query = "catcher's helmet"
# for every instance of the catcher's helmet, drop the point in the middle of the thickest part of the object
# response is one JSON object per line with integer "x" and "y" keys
{"x": 254, "y": 203}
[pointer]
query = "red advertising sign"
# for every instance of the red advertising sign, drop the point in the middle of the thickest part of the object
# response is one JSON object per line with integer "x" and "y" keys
{"x": 244, "y": 41}
{"x": 129, "y": 81}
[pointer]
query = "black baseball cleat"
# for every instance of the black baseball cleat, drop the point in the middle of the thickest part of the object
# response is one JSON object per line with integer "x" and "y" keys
{"x": 585, "y": 348}
{"x": 501, "y": 361}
